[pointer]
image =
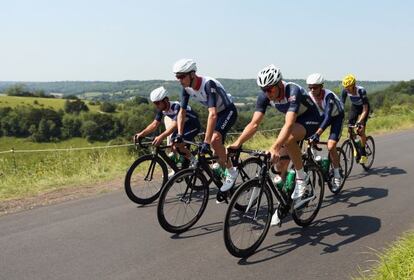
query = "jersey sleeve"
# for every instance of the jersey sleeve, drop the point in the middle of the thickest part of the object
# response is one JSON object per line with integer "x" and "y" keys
{"x": 294, "y": 99}
{"x": 343, "y": 96}
{"x": 211, "y": 92}
{"x": 330, "y": 103}
{"x": 185, "y": 97}
{"x": 158, "y": 116}
{"x": 261, "y": 103}
{"x": 176, "y": 108}
{"x": 364, "y": 97}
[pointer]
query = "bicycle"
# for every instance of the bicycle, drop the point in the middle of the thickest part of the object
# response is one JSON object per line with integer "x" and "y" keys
{"x": 327, "y": 167}
{"x": 353, "y": 150}
{"x": 245, "y": 230}
{"x": 184, "y": 197}
{"x": 148, "y": 173}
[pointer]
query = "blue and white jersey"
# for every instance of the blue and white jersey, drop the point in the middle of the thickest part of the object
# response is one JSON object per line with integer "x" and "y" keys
{"x": 359, "y": 99}
{"x": 329, "y": 107}
{"x": 211, "y": 94}
{"x": 296, "y": 100}
{"x": 173, "y": 112}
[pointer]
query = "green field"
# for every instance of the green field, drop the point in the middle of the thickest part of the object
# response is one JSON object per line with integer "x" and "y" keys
{"x": 36, "y": 102}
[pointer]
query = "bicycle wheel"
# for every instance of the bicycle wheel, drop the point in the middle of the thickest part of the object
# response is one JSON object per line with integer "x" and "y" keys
{"x": 244, "y": 231}
{"x": 305, "y": 214}
{"x": 370, "y": 149}
{"x": 249, "y": 169}
{"x": 145, "y": 178}
{"x": 183, "y": 200}
{"x": 348, "y": 148}
{"x": 343, "y": 168}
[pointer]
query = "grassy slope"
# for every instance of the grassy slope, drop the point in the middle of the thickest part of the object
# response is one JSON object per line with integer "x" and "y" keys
{"x": 51, "y": 103}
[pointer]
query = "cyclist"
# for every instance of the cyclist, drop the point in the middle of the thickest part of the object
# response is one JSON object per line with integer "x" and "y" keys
{"x": 332, "y": 110}
{"x": 222, "y": 113}
{"x": 169, "y": 109}
{"x": 359, "y": 109}
{"x": 301, "y": 120}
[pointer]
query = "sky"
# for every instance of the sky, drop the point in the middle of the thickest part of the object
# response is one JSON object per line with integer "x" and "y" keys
{"x": 110, "y": 40}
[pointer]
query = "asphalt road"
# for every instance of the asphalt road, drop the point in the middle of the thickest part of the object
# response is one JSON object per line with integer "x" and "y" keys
{"x": 109, "y": 237}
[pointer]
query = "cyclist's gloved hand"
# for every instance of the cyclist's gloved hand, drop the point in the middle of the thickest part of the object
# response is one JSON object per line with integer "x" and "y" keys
{"x": 178, "y": 138}
{"x": 314, "y": 138}
{"x": 359, "y": 125}
{"x": 204, "y": 148}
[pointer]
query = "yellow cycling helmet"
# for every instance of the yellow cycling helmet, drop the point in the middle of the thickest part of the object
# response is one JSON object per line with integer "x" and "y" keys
{"x": 349, "y": 80}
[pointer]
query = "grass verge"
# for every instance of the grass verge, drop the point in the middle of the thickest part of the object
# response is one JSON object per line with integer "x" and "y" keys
{"x": 396, "y": 263}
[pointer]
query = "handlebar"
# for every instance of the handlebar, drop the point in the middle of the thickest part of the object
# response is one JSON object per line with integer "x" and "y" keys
{"x": 138, "y": 142}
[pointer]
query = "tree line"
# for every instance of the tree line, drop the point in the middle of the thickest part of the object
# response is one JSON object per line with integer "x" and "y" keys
{"x": 123, "y": 119}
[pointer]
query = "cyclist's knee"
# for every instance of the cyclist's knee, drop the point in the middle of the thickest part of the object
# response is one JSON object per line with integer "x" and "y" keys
{"x": 216, "y": 139}
{"x": 331, "y": 145}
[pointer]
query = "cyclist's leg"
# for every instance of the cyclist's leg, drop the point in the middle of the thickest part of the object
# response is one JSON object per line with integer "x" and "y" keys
{"x": 225, "y": 120}
{"x": 362, "y": 134}
{"x": 292, "y": 146}
{"x": 190, "y": 132}
{"x": 306, "y": 125}
{"x": 334, "y": 136}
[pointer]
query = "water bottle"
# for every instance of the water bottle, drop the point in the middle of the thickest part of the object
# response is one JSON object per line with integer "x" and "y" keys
{"x": 290, "y": 181}
{"x": 176, "y": 158}
{"x": 218, "y": 170}
{"x": 358, "y": 144}
{"x": 325, "y": 164}
{"x": 278, "y": 181}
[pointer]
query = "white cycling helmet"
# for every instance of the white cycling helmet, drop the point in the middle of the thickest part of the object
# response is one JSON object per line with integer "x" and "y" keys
{"x": 158, "y": 94}
{"x": 184, "y": 65}
{"x": 315, "y": 79}
{"x": 269, "y": 76}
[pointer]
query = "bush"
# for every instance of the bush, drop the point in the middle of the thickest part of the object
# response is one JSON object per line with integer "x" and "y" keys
{"x": 108, "y": 107}
{"x": 76, "y": 106}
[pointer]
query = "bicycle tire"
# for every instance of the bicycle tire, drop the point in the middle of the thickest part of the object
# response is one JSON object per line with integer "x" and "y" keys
{"x": 242, "y": 193}
{"x": 343, "y": 165}
{"x": 348, "y": 148}
{"x": 370, "y": 150}
{"x": 167, "y": 198}
{"x": 132, "y": 189}
{"x": 318, "y": 185}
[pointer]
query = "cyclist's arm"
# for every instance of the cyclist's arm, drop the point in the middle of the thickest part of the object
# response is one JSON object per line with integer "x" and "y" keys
{"x": 343, "y": 96}
{"x": 286, "y": 130}
{"x": 365, "y": 105}
{"x": 364, "y": 114}
{"x": 185, "y": 97}
{"x": 327, "y": 116}
{"x": 250, "y": 129}
{"x": 180, "y": 120}
{"x": 211, "y": 124}
{"x": 150, "y": 128}
{"x": 211, "y": 91}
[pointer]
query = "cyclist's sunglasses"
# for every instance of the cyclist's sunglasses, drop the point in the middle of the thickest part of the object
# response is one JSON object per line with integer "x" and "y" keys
{"x": 313, "y": 87}
{"x": 180, "y": 76}
{"x": 267, "y": 89}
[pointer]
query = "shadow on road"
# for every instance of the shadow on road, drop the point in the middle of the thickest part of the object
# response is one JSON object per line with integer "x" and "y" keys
{"x": 199, "y": 230}
{"x": 382, "y": 171}
{"x": 340, "y": 230}
{"x": 355, "y": 196}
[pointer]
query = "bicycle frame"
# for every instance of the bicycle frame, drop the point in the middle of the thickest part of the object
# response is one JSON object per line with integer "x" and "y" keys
{"x": 352, "y": 137}
{"x": 159, "y": 151}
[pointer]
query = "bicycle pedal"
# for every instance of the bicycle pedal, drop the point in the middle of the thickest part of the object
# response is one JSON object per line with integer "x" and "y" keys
{"x": 221, "y": 197}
